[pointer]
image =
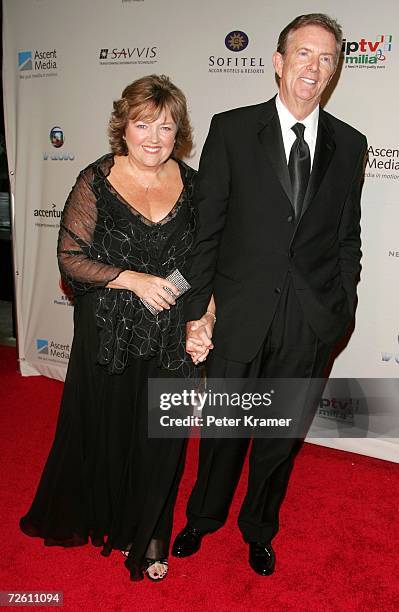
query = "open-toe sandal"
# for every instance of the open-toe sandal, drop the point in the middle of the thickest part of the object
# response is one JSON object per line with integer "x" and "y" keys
{"x": 154, "y": 570}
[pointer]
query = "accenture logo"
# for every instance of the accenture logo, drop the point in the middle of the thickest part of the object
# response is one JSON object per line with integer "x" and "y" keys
{"x": 48, "y": 213}
{"x": 236, "y": 41}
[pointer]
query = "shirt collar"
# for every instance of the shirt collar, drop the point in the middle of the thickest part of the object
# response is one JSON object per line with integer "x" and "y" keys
{"x": 287, "y": 120}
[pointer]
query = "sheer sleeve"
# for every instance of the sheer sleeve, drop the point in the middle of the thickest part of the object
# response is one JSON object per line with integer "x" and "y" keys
{"x": 80, "y": 260}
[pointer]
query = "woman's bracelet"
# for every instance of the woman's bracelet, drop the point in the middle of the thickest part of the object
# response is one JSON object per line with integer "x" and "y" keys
{"x": 212, "y": 315}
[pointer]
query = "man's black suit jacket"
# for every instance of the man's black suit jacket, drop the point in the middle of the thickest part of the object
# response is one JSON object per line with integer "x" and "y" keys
{"x": 248, "y": 240}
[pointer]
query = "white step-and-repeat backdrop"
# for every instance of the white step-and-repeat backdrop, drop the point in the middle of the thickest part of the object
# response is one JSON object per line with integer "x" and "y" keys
{"x": 64, "y": 64}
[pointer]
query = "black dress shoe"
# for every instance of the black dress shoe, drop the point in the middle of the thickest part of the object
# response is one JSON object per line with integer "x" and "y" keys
{"x": 187, "y": 542}
{"x": 261, "y": 558}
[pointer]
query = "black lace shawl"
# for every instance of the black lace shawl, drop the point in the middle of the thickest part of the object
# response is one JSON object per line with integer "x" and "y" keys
{"x": 100, "y": 236}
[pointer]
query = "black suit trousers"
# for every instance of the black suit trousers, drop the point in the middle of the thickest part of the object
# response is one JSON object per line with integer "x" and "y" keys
{"x": 290, "y": 349}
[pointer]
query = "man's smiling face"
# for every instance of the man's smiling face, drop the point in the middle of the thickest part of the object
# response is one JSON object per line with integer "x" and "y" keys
{"x": 306, "y": 67}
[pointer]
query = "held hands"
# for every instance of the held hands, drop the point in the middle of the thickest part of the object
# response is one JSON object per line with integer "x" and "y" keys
{"x": 152, "y": 289}
{"x": 147, "y": 287}
{"x": 199, "y": 337}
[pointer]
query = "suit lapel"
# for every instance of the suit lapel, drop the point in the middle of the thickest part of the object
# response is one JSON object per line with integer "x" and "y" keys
{"x": 324, "y": 150}
{"x": 272, "y": 143}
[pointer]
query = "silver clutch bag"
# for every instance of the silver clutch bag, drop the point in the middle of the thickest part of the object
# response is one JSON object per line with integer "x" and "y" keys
{"x": 181, "y": 284}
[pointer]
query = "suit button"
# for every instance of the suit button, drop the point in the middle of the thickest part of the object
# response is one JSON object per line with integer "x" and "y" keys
{"x": 291, "y": 253}
{"x": 290, "y": 219}
{"x": 277, "y": 290}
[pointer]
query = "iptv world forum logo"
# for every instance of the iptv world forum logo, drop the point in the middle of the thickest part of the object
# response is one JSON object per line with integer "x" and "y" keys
{"x": 357, "y": 53}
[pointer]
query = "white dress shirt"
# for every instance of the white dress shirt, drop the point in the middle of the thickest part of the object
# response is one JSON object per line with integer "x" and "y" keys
{"x": 287, "y": 121}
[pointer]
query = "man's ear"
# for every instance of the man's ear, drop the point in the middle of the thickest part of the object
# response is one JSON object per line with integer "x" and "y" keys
{"x": 278, "y": 62}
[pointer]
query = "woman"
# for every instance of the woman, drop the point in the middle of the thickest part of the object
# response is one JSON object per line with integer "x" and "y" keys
{"x": 129, "y": 221}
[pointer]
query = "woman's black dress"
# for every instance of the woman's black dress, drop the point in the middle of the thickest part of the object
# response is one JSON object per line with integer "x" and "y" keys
{"x": 104, "y": 478}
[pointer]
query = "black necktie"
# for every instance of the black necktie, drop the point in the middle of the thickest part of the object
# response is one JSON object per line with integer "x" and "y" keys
{"x": 299, "y": 168}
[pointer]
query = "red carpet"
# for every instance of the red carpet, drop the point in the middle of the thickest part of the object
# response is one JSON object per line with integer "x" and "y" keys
{"x": 337, "y": 548}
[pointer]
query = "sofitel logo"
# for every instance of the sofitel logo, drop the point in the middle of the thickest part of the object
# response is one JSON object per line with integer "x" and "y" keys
{"x": 236, "y": 41}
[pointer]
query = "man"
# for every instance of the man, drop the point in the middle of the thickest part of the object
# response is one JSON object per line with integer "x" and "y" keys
{"x": 279, "y": 248}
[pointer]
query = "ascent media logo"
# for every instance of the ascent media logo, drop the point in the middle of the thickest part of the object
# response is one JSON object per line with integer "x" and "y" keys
{"x": 382, "y": 163}
{"x": 128, "y": 55}
{"x": 49, "y": 350}
{"x": 42, "y": 346}
{"x": 57, "y": 139}
{"x": 237, "y": 42}
{"x": 25, "y": 60}
{"x": 37, "y": 63}
{"x": 365, "y": 53}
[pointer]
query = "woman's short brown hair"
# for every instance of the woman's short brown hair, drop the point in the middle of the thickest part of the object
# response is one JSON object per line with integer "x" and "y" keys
{"x": 145, "y": 99}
